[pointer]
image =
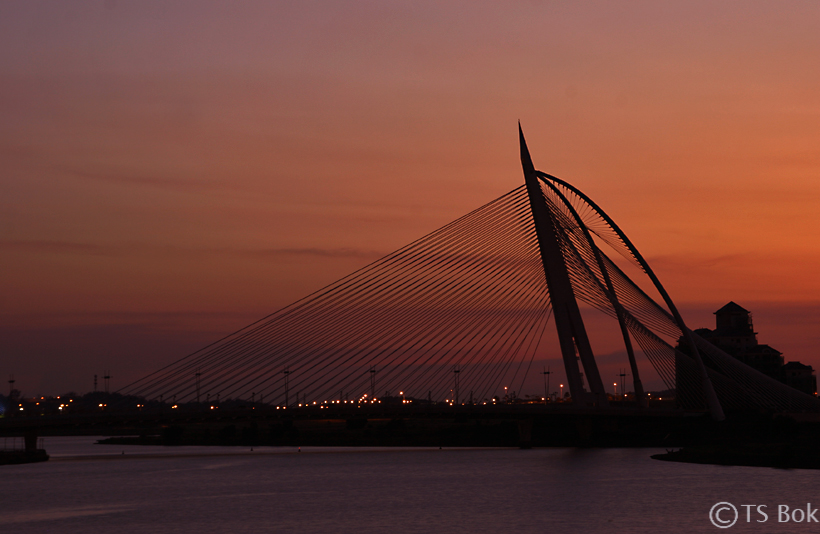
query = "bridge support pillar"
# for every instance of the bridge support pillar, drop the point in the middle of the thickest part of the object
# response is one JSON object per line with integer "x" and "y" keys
{"x": 572, "y": 335}
{"x": 525, "y": 433}
{"x": 30, "y": 439}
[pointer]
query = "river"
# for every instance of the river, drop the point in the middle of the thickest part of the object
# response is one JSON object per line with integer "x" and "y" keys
{"x": 131, "y": 489}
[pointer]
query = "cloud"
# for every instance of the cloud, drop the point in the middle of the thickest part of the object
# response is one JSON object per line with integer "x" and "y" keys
{"x": 684, "y": 261}
{"x": 311, "y": 251}
{"x": 93, "y": 249}
{"x": 151, "y": 181}
{"x": 57, "y": 247}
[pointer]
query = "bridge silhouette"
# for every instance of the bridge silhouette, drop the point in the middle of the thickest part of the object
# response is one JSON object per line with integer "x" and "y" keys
{"x": 454, "y": 321}
{"x": 462, "y": 312}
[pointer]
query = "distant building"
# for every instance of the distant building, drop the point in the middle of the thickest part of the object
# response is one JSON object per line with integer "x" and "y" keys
{"x": 800, "y": 377}
{"x": 734, "y": 331}
{"x": 734, "y": 334}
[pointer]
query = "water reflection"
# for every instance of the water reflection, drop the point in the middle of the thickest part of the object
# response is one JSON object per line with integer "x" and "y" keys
{"x": 89, "y": 488}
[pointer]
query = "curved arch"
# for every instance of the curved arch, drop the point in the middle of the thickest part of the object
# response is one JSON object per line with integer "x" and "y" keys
{"x": 613, "y": 297}
{"x": 709, "y": 391}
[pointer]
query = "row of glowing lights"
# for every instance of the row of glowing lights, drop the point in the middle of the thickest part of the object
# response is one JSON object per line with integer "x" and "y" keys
{"x": 362, "y": 400}
{"x": 325, "y": 403}
{"x": 43, "y": 398}
{"x": 322, "y": 405}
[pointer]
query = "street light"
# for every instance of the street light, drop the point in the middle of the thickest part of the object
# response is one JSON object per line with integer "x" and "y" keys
{"x": 562, "y": 392}
{"x": 546, "y": 374}
{"x": 623, "y": 376}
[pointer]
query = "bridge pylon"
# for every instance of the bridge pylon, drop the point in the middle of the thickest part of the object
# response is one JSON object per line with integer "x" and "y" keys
{"x": 572, "y": 335}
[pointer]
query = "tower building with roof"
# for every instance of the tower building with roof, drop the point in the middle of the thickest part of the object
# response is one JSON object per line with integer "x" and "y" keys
{"x": 734, "y": 334}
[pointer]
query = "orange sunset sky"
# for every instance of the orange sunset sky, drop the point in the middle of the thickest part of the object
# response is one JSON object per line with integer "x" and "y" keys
{"x": 171, "y": 171}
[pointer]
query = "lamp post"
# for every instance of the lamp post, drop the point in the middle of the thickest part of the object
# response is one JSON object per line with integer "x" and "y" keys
{"x": 623, "y": 376}
{"x": 456, "y": 371}
{"x": 198, "y": 374}
{"x": 546, "y": 374}
{"x": 286, "y": 372}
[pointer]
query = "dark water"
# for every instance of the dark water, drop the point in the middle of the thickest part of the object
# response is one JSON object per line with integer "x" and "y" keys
{"x": 229, "y": 490}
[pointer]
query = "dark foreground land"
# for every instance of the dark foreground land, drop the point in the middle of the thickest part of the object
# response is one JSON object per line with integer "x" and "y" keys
{"x": 782, "y": 456}
{"x": 756, "y": 441}
{"x": 449, "y": 431}
{"x": 360, "y": 425}
{"x": 743, "y": 439}
{"x": 22, "y": 456}
{"x": 467, "y": 426}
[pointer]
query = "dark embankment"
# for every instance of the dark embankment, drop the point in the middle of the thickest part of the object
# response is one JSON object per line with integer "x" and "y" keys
{"x": 756, "y": 441}
{"x": 465, "y": 430}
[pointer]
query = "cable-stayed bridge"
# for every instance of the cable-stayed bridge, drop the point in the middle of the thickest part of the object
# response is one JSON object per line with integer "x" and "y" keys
{"x": 462, "y": 312}
{"x": 441, "y": 327}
